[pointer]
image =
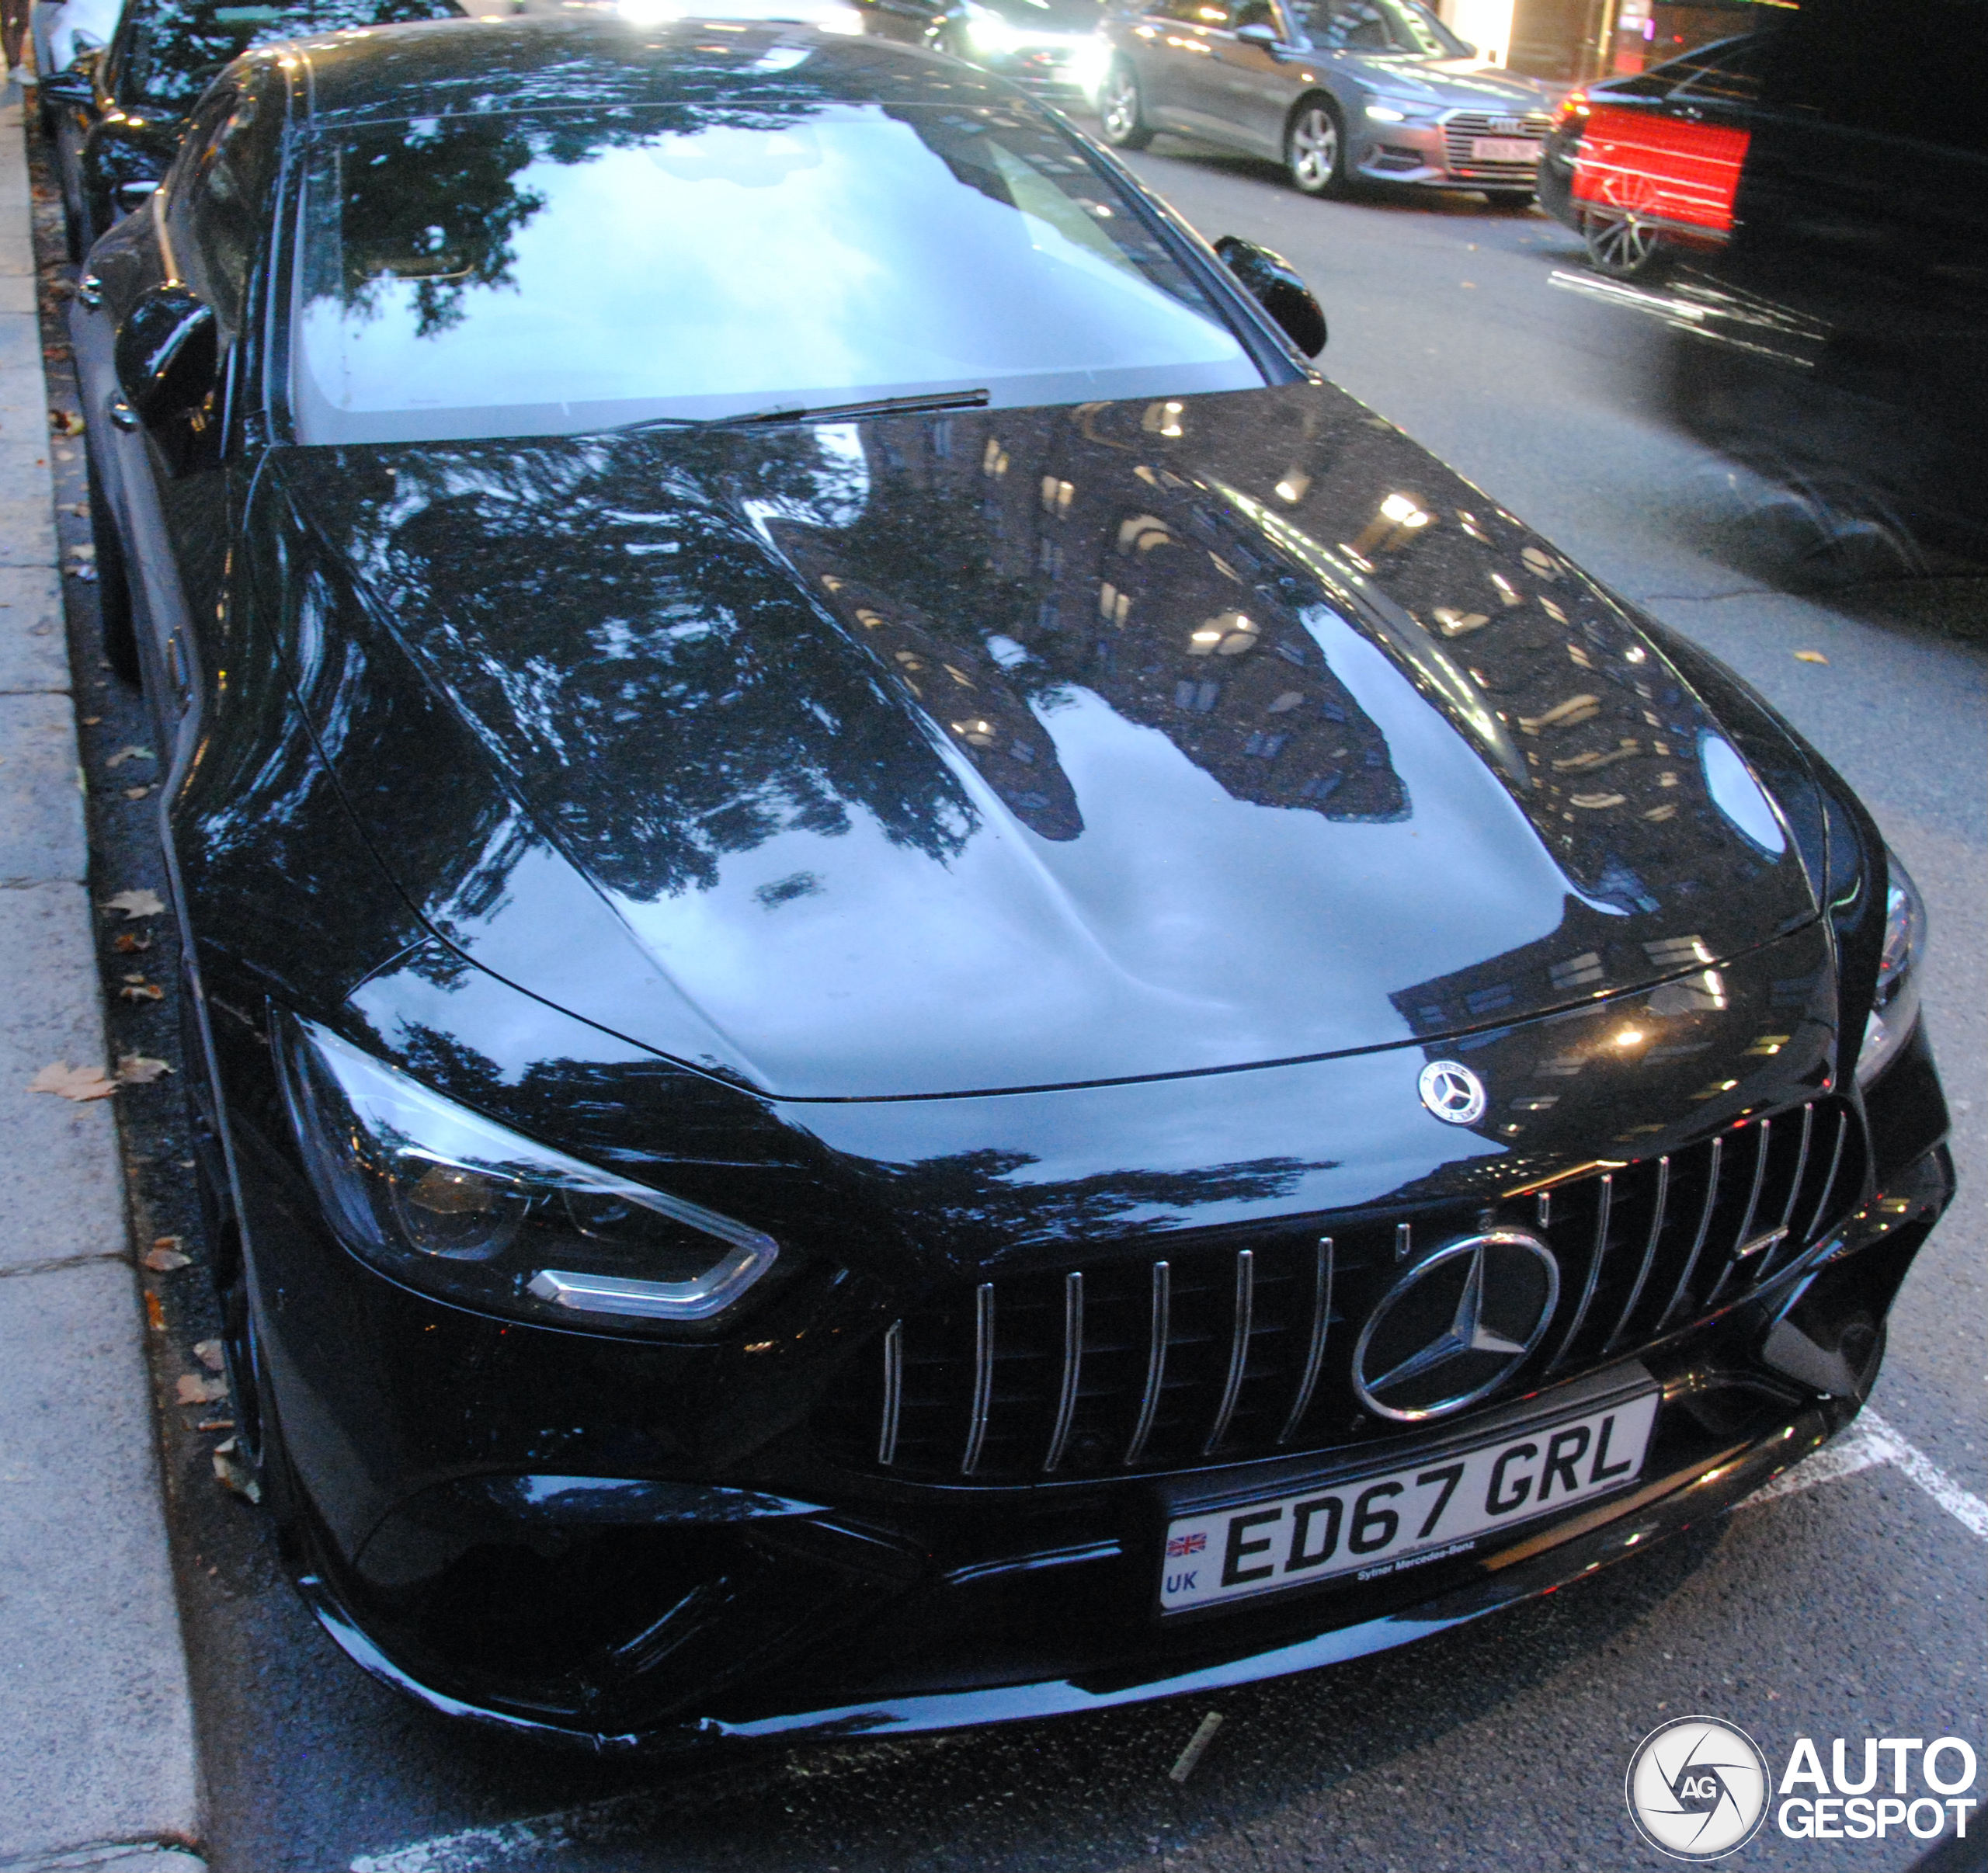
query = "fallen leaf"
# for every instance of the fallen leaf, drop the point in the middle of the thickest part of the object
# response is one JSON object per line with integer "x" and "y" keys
{"x": 65, "y": 422}
{"x": 66, "y": 1081}
{"x": 129, "y": 943}
{"x": 140, "y": 1070}
{"x": 90, "y": 722}
{"x": 1810, "y": 657}
{"x": 136, "y": 793}
{"x": 83, "y": 552}
{"x": 155, "y": 1312}
{"x": 141, "y": 991}
{"x": 233, "y": 1476}
{"x": 226, "y": 1447}
{"x": 215, "y": 1424}
{"x": 164, "y": 1257}
{"x": 191, "y": 1388}
{"x": 209, "y": 1354}
{"x": 141, "y": 903}
{"x": 129, "y": 754}
{"x": 134, "y": 978}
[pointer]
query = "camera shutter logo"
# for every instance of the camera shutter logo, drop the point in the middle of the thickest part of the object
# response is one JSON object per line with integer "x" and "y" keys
{"x": 1452, "y": 1091}
{"x": 1697, "y": 1788}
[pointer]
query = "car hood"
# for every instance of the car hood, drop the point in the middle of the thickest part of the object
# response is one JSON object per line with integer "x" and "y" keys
{"x": 1026, "y": 748}
{"x": 1454, "y": 83}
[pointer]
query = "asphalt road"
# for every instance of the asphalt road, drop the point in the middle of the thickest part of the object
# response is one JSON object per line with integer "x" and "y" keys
{"x": 1854, "y": 1608}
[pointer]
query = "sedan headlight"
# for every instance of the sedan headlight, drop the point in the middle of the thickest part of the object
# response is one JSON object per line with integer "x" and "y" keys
{"x": 1896, "y": 1006}
{"x": 449, "y": 1203}
{"x": 989, "y": 33}
{"x": 1400, "y": 111}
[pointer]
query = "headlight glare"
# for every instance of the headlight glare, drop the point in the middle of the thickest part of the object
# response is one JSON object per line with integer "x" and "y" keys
{"x": 454, "y": 1205}
{"x": 1894, "y": 1007}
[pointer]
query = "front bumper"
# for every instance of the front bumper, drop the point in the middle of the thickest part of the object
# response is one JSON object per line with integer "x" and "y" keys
{"x": 892, "y": 1609}
{"x": 1432, "y": 155}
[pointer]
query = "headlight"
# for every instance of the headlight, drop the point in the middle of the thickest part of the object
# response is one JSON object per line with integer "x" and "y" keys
{"x": 1088, "y": 65}
{"x": 989, "y": 32}
{"x": 450, "y": 1203}
{"x": 1399, "y": 110}
{"x": 1896, "y": 1006}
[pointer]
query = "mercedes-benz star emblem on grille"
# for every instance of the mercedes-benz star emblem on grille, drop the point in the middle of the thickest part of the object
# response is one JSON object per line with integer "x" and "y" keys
{"x": 1452, "y": 1091}
{"x": 1456, "y": 1325}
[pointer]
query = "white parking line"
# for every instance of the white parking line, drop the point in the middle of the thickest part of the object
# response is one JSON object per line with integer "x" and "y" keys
{"x": 1870, "y": 1442}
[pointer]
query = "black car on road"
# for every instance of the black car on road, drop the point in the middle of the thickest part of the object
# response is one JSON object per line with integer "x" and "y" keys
{"x": 920, "y": 990}
{"x": 1340, "y": 91}
{"x": 1804, "y": 209}
{"x": 116, "y": 116}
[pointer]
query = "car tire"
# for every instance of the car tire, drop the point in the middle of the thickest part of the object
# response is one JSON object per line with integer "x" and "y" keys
{"x": 1315, "y": 149}
{"x": 114, "y": 587}
{"x": 1121, "y": 111}
{"x": 1621, "y": 245}
{"x": 1511, "y": 201}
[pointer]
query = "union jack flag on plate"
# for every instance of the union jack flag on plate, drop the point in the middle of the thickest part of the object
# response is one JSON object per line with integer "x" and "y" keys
{"x": 1181, "y": 1546}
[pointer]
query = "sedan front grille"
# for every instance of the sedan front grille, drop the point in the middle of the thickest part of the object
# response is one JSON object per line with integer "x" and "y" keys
{"x": 1221, "y": 1350}
{"x": 1459, "y": 134}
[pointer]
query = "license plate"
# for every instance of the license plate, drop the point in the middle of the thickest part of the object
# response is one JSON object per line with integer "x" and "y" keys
{"x": 1503, "y": 149}
{"x": 1399, "y": 1519}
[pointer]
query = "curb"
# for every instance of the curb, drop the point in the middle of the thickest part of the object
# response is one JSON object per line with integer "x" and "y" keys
{"x": 97, "y": 1762}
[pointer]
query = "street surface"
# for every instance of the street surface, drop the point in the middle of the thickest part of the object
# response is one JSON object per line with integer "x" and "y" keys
{"x": 1854, "y": 1608}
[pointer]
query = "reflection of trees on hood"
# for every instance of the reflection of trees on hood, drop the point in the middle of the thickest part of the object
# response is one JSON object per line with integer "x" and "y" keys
{"x": 438, "y": 202}
{"x": 643, "y": 667}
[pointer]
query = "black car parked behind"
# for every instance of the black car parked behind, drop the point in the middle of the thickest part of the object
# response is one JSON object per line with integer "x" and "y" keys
{"x": 117, "y": 115}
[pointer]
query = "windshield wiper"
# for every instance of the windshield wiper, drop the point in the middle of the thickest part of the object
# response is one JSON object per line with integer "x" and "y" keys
{"x": 870, "y": 406}
{"x": 826, "y": 412}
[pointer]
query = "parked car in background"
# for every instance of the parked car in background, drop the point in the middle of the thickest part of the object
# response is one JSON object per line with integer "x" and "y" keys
{"x": 1809, "y": 203}
{"x": 62, "y": 28}
{"x": 1051, "y": 47}
{"x": 1340, "y": 91}
{"x": 943, "y": 1000}
{"x": 117, "y": 114}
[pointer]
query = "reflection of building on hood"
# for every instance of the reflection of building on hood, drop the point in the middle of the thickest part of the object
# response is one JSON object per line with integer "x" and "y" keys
{"x": 1160, "y": 609}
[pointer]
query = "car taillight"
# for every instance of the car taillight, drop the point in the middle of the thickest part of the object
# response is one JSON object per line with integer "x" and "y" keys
{"x": 1573, "y": 105}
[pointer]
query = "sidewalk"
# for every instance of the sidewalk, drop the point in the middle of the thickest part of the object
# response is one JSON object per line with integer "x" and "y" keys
{"x": 97, "y": 1769}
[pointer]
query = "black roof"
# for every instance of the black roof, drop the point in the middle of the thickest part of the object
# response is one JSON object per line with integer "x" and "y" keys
{"x": 604, "y": 63}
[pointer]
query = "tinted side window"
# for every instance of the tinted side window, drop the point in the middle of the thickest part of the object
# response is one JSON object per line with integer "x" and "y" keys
{"x": 1733, "y": 78}
{"x": 212, "y": 201}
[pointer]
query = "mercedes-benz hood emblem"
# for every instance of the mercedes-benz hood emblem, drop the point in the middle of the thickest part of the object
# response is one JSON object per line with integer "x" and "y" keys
{"x": 1456, "y": 1325}
{"x": 1452, "y": 1091}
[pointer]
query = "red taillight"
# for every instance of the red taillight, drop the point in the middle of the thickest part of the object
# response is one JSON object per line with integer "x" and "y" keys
{"x": 1573, "y": 105}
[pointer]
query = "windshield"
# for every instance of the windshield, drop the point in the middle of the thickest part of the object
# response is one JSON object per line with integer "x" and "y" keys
{"x": 173, "y": 50}
{"x": 1380, "y": 25}
{"x": 1048, "y": 15}
{"x": 513, "y": 274}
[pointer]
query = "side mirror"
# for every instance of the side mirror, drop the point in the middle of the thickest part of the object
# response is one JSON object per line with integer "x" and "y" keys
{"x": 73, "y": 86}
{"x": 167, "y": 356}
{"x": 1258, "y": 34}
{"x": 1274, "y": 284}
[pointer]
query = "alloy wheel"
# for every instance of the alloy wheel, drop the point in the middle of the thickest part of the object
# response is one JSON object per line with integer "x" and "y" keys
{"x": 1621, "y": 245}
{"x": 1119, "y": 112}
{"x": 1314, "y": 150}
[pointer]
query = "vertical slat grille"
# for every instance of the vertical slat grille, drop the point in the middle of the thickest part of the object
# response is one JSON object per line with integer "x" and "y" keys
{"x": 1315, "y": 1351}
{"x": 1232, "y": 1347}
